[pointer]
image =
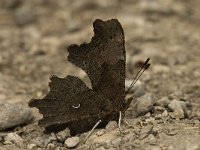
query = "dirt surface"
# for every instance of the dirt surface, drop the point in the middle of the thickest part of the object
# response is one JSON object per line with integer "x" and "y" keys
{"x": 34, "y": 36}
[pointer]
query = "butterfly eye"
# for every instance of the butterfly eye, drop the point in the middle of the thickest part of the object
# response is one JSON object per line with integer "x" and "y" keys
{"x": 123, "y": 104}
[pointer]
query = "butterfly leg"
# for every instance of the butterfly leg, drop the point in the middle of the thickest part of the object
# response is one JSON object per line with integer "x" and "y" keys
{"x": 119, "y": 122}
{"x": 92, "y": 130}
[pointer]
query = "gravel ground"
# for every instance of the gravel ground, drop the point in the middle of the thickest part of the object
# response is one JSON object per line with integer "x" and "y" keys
{"x": 165, "y": 112}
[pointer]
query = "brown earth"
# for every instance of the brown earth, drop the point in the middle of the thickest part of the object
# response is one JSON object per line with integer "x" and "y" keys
{"x": 33, "y": 40}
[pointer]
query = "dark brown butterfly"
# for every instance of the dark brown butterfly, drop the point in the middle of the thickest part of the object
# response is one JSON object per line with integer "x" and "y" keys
{"x": 70, "y": 103}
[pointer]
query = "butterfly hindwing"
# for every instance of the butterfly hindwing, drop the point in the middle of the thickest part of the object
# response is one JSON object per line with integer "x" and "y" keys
{"x": 66, "y": 105}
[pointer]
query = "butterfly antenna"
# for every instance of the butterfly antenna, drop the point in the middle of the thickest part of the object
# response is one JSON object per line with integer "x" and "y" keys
{"x": 144, "y": 67}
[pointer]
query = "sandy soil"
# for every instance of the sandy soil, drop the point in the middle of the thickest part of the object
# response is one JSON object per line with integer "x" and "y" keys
{"x": 33, "y": 40}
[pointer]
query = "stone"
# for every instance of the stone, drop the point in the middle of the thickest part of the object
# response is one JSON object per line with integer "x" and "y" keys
{"x": 31, "y": 146}
{"x": 100, "y": 132}
{"x": 12, "y": 115}
{"x": 72, "y": 142}
{"x": 144, "y": 104}
{"x": 151, "y": 138}
{"x": 50, "y": 146}
{"x": 111, "y": 125}
{"x": 158, "y": 116}
{"x": 179, "y": 108}
{"x": 165, "y": 113}
{"x": 50, "y": 139}
{"x": 159, "y": 109}
{"x": 14, "y": 138}
{"x": 62, "y": 135}
{"x": 39, "y": 141}
{"x": 150, "y": 120}
{"x": 105, "y": 138}
{"x": 116, "y": 141}
{"x": 145, "y": 132}
{"x": 148, "y": 115}
{"x": 163, "y": 102}
{"x": 24, "y": 15}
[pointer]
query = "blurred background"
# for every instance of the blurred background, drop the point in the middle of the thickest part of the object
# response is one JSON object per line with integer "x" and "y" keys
{"x": 34, "y": 36}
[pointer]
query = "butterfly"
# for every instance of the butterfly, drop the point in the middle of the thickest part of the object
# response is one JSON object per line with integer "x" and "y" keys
{"x": 70, "y": 102}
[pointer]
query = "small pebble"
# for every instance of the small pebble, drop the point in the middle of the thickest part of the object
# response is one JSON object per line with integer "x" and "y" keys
{"x": 159, "y": 116}
{"x": 151, "y": 138}
{"x": 117, "y": 141}
{"x": 151, "y": 119}
{"x": 144, "y": 104}
{"x": 156, "y": 130}
{"x": 100, "y": 132}
{"x": 145, "y": 132}
{"x": 163, "y": 102}
{"x": 50, "y": 146}
{"x": 24, "y": 16}
{"x": 111, "y": 125}
{"x": 31, "y": 146}
{"x": 165, "y": 113}
{"x": 38, "y": 141}
{"x": 148, "y": 115}
{"x": 197, "y": 122}
{"x": 176, "y": 107}
{"x": 50, "y": 139}
{"x": 14, "y": 138}
{"x": 72, "y": 142}
{"x": 62, "y": 135}
{"x": 7, "y": 143}
{"x": 159, "y": 108}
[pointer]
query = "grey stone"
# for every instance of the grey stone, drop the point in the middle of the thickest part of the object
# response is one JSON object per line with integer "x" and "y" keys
{"x": 38, "y": 141}
{"x": 148, "y": 115}
{"x": 62, "y": 135}
{"x": 50, "y": 146}
{"x": 158, "y": 116}
{"x": 116, "y": 141}
{"x": 163, "y": 102}
{"x": 165, "y": 113}
{"x": 12, "y": 115}
{"x": 111, "y": 125}
{"x": 72, "y": 142}
{"x": 144, "y": 104}
{"x": 159, "y": 109}
{"x": 15, "y": 139}
{"x": 179, "y": 108}
{"x": 24, "y": 15}
{"x": 50, "y": 139}
{"x": 100, "y": 132}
